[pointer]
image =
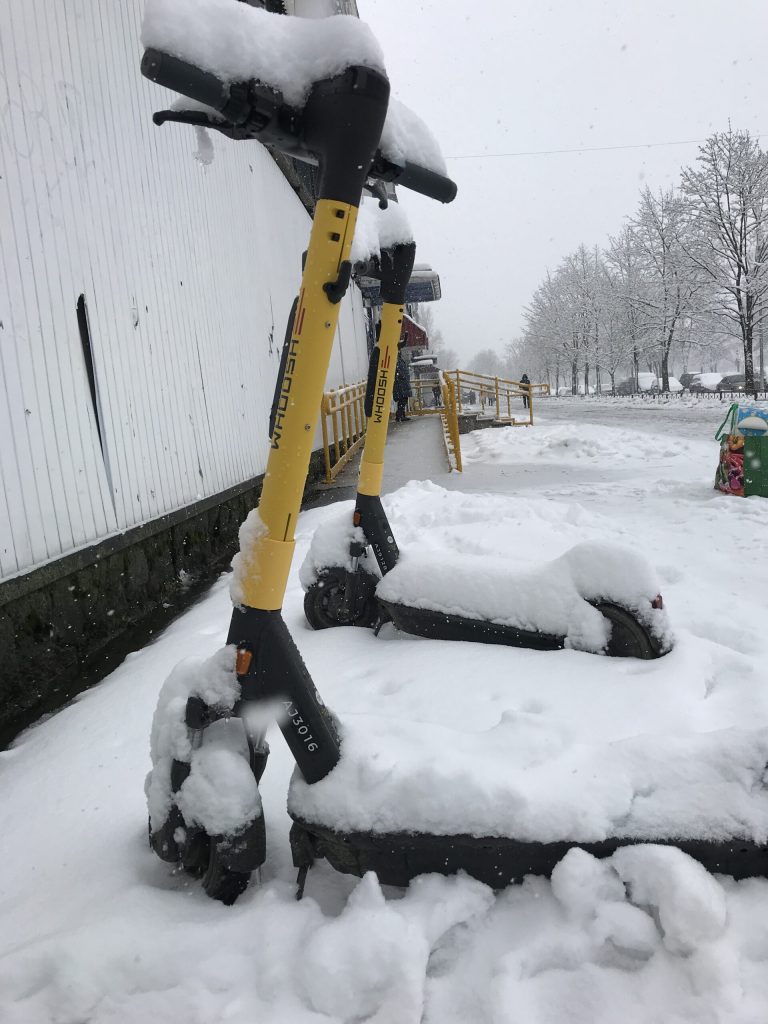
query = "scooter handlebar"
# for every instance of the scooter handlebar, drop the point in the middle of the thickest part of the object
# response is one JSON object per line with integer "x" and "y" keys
{"x": 421, "y": 179}
{"x": 236, "y": 104}
{"x": 185, "y": 78}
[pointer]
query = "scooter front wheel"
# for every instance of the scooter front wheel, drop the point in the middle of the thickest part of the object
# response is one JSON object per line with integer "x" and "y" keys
{"x": 220, "y": 882}
{"x": 326, "y": 603}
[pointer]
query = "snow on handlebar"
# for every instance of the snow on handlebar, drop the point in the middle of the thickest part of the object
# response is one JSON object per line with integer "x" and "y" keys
{"x": 238, "y": 104}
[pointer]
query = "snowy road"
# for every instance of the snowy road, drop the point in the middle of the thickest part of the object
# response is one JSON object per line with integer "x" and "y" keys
{"x": 94, "y": 928}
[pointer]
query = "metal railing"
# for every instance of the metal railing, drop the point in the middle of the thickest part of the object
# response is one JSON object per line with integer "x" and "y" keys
{"x": 437, "y": 396}
{"x": 653, "y": 396}
{"x": 450, "y": 422}
{"x": 343, "y": 423}
{"x": 447, "y": 394}
{"x": 497, "y": 394}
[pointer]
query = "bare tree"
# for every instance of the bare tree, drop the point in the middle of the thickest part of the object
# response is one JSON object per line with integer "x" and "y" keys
{"x": 673, "y": 282}
{"x": 624, "y": 267}
{"x": 727, "y": 196}
{"x": 548, "y": 338}
{"x": 487, "y": 361}
{"x": 616, "y": 315}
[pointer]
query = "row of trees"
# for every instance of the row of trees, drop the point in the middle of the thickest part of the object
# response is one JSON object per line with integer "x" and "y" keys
{"x": 683, "y": 282}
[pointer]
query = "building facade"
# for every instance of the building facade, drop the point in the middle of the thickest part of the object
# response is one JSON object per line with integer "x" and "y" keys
{"x": 146, "y": 275}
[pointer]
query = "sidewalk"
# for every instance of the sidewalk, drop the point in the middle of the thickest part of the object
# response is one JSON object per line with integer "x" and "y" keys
{"x": 415, "y": 451}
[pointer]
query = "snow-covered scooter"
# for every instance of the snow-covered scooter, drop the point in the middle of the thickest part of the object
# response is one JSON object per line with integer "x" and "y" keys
{"x": 208, "y": 749}
{"x": 338, "y": 128}
{"x": 345, "y": 595}
{"x": 574, "y": 600}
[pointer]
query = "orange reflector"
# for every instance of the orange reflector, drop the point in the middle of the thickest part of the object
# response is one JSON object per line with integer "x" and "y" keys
{"x": 657, "y": 602}
{"x": 356, "y": 517}
{"x": 243, "y": 660}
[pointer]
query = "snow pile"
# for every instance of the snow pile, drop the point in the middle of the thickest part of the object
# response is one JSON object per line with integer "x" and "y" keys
{"x": 238, "y": 42}
{"x": 524, "y": 779}
{"x": 348, "y": 977}
{"x": 407, "y": 138}
{"x": 640, "y": 898}
{"x": 220, "y": 792}
{"x": 94, "y": 927}
{"x": 394, "y": 228}
{"x": 689, "y": 902}
{"x": 365, "y": 243}
{"x": 378, "y": 229}
{"x": 244, "y": 564}
{"x": 330, "y": 548}
{"x": 567, "y": 443}
{"x": 553, "y": 599}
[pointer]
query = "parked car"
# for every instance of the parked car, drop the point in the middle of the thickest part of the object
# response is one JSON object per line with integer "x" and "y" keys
{"x": 647, "y": 383}
{"x": 738, "y": 382}
{"x": 686, "y": 379}
{"x": 674, "y": 385}
{"x": 703, "y": 382}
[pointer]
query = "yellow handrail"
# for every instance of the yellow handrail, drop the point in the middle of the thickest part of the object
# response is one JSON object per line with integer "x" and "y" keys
{"x": 343, "y": 419}
{"x": 436, "y": 396}
{"x": 497, "y": 392}
{"x": 343, "y": 409}
{"x": 450, "y": 421}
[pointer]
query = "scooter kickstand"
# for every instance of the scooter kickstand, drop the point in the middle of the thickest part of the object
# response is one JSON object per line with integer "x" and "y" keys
{"x": 301, "y": 880}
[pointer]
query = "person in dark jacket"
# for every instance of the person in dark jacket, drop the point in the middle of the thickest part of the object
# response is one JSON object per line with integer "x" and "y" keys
{"x": 402, "y": 390}
{"x": 525, "y": 379}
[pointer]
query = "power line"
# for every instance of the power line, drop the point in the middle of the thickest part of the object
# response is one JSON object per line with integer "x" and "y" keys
{"x": 585, "y": 149}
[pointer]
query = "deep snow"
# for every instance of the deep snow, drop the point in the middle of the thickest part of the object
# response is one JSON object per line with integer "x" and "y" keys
{"x": 94, "y": 928}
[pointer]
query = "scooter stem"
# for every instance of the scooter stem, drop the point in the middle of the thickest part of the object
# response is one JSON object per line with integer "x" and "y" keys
{"x": 396, "y": 269}
{"x": 343, "y": 119}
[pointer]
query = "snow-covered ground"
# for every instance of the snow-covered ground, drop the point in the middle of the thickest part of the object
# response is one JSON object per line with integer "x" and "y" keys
{"x": 94, "y": 928}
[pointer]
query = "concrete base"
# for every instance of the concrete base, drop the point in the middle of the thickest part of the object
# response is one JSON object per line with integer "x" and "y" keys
{"x": 67, "y": 624}
{"x": 469, "y": 421}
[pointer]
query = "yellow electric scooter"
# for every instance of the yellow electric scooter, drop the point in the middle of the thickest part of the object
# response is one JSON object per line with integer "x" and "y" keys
{"x": 338, "y": 128}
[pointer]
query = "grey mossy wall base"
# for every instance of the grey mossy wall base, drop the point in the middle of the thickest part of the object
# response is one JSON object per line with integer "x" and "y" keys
{"x": 469, "y": 421}
{"x": 67, "y": 624}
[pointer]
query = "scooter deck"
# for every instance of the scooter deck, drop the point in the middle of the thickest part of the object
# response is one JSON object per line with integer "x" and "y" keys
{"x": 397, "y": 858}
{"x": 629, "y": 639}
{"x": 442, "y": 626}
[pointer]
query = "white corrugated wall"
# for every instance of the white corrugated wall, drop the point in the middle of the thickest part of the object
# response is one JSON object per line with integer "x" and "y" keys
{"x": 188, "y": 273}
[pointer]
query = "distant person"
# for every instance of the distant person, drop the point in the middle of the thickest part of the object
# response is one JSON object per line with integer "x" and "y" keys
{"x": 525, "y": 379}
{"x": 402, "y": 391}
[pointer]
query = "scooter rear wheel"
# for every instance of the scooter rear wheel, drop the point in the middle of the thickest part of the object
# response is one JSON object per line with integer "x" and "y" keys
{"x": 629, "y": 638}
{"x": 323, "y": 601}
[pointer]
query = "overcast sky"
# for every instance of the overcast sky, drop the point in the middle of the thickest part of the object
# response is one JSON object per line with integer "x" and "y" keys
{"x": 504, "y": 77}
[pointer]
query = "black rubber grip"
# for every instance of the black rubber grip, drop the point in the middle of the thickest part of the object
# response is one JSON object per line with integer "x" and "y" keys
{"x": 185, "y": 78}
{"x": 428, "y": 183}
{"x": 282, "y": 366}
{"x": 370, "y": 386}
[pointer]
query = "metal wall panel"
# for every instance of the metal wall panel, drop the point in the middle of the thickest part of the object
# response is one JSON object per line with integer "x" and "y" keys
{"x": 187, "y": 270}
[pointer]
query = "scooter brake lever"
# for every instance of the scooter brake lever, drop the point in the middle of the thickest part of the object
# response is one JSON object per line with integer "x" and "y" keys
{"x": 199, "y": 119}
{"x": 196, "y": 117}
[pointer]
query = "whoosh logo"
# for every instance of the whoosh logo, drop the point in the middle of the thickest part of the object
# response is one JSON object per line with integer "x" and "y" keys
{"x": 288, "y": 372}
{"x": 379, "y": 398}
